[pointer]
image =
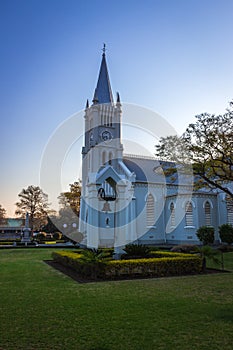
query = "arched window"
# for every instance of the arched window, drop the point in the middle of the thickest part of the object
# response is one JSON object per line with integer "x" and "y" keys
{"x": 229, "y": 203}
{"x": 103, "y": 157}
{"x": 172, "y": 211}
{"x": 150, "y": 210}
{"x": 207, "y": 209}
{"x": 188, "y": 214}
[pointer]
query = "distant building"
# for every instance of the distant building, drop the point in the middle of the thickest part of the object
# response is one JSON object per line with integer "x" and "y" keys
{"x": 11, "y": 228}
{"x": 127, "y": 198}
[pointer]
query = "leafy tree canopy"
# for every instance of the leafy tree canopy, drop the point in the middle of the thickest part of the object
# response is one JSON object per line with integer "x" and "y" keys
{"x": 207, "y": 145}
{"x": 2, "y": 214}
{"x": 71, "y": 198}
{"x": 34, "y": 201}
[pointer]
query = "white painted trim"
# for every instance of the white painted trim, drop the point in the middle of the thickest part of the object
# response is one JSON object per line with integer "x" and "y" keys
{"x": 208, "y": 200}
{"x": 169, "y": 204}
{"x": 188, "y": 201}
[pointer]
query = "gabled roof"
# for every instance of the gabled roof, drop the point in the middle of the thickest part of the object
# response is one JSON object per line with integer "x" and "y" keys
{"x": 107, "y": 172}
{"x": 103, "y": 91}
{"x": 151, "y": 170}
{"x": 144, "y": 168}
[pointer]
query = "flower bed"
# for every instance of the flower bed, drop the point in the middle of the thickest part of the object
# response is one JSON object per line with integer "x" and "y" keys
{"x": 163, "y": 265}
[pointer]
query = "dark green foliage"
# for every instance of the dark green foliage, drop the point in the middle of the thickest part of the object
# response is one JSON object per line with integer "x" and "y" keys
{"x": 40, "y": 237}
{"x": 206, "y": 235}
{"x": 136, "y": 251}
{"x": 71, "y": 198}
{"x": 225, "y": 248}
{"x": 91, "y": 265}
{"x": 226, "y": 233}
{"x": 49, "y": 227}
{"x": 205, "y": 149}
{"x": 57, "y": 236}
{"x": 184, "y": 248}
{"x": 209, "y": 253}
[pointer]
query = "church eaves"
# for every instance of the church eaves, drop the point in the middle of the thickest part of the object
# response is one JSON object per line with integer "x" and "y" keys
{"x": 103, "y": 91}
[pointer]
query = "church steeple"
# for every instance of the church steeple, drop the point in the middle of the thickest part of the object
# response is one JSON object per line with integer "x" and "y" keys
{"x": 103, "y": 91}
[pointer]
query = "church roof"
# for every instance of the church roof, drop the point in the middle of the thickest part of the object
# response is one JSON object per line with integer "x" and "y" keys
{"x": 103, "y": 91}
{"x": 144, "y": 168}
{"x": 151, "y": 170}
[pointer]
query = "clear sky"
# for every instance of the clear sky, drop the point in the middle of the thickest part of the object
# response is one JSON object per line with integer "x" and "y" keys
{"x": 172, "y": 56}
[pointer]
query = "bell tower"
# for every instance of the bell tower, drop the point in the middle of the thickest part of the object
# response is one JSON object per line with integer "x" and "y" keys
{"x": 102, "y": 126}
{"x": 107, "y": 201}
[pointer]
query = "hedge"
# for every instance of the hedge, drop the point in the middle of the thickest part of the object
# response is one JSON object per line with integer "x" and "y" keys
{"x": 169, "y": 265}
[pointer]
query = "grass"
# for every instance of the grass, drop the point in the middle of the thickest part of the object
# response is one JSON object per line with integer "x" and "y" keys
{"x": 44, "y": 309}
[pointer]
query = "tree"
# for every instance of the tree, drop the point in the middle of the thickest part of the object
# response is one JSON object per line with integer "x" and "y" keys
{"x": 208, "y": 146}
{"x": 71, "y": 198}
{"x": 2, "y": 214}
{"x": 34, "y": 201}
{"x": 50, "y": 227}
{"x": 226, "y": 233}
{"x": 206, "y": 235}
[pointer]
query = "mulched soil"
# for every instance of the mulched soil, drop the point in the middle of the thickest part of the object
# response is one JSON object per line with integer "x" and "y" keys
{"x": 74, "y": 275}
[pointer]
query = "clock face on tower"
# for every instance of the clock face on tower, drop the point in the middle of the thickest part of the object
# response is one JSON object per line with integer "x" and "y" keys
{"x": 106, "y": 135}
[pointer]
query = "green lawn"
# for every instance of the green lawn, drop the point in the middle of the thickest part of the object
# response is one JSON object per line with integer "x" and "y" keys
{"x": 43, "y": 309}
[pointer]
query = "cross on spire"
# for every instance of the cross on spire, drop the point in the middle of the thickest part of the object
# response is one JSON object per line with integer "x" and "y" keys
{"x": 104, "y": 48}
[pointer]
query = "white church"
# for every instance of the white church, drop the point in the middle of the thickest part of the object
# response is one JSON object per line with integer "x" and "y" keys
{"x": 128, "y": 199}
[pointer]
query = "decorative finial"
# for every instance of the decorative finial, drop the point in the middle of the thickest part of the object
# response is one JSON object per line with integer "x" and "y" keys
{"x": 87, "y": 104}
{"x": 104, "y": 49}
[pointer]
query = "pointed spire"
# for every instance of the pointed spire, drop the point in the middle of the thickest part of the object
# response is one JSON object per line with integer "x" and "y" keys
{"x": 103, "y": 91}
{"x": 87, "y": 104}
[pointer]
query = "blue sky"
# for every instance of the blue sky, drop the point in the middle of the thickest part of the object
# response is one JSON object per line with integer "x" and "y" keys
{"x": 172, "y": 56}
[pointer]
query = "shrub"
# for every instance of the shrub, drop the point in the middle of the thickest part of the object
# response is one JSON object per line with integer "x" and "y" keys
{"x": 160, "y": 254}
{"x": 86, "y": 264}
{"x": 136, "y": 250}
{"x": 170, "y": 264}
{"x": 225, "y": 248}
{"x": 226, "y": 233}
{"x": 41, "y": 236}
{"x": 57, "y": 236}
{"x": 206, "y": 235}
{"x": 184, "y": 248}
{"x": 154, "y": 267}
